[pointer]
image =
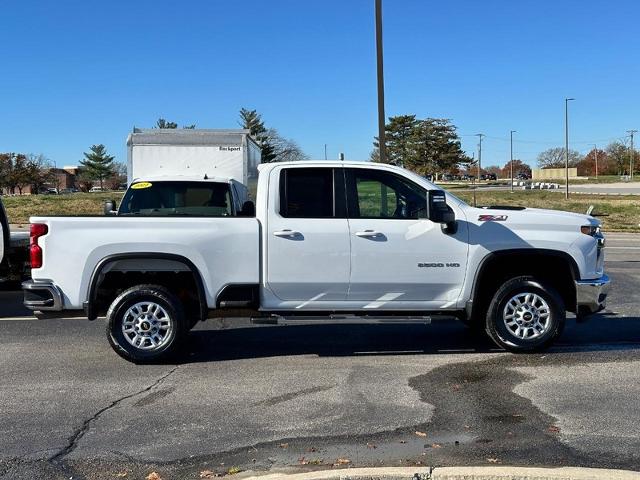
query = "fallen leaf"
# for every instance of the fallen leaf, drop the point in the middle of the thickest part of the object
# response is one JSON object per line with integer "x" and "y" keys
{"x": 492, "y": 460}
{"x": 208, "y": 474}
{"x": 342, "y": 461}
{"x": 303, "y": 461}
{"x": 420, "y": 434}
{"x": 121, "y": 474}
{"x": 553, "y": 429}
{"x": 154, "y": 476}
{"x": 403, "y": 441}
{"x": 233, "y": 470}
{"x": 311, "y": 450}
{"x": 436, "y": 445}
{"x": 371, "y": 445}
{"x": 284, "y": 445}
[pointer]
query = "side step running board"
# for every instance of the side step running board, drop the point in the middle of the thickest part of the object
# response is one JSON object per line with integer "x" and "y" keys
{"x": 337, "y": 318}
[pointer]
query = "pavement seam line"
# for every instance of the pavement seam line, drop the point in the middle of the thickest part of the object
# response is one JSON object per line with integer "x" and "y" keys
{"x": 79, "y": 432}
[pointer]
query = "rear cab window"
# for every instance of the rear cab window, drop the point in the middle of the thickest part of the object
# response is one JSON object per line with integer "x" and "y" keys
{"x": 314, "y": 192}
{"x": 178, "y": 198}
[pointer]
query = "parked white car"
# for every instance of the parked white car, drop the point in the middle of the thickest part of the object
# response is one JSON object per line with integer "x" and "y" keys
{"x": 329, "y": 239}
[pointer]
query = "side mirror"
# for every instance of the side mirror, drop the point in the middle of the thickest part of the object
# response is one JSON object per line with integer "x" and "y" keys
{"x": 110, "y": 207}
{"x": 440, "y": 212}
{"x": 248, "y": 209}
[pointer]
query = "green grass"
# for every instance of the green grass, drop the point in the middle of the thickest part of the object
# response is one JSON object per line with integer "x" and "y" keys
{"x": 622, "y": 212}
{"x": 20, "y": 208}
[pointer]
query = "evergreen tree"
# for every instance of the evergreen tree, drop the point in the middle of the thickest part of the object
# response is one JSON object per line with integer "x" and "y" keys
{"x": 162, "y": 123}
{"x": 252, "y": 121}
{"x": 98, "y": 164}
{"x": 400, "y": 137}
{"x": 437, "y": 147}
{"x": 425, "y": 146}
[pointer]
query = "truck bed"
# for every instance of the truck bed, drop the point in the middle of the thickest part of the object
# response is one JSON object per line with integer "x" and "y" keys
{"x": 224, "y": 250}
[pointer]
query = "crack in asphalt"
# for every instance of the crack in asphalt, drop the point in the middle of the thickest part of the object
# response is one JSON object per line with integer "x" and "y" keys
{"x": 77, "y": 435}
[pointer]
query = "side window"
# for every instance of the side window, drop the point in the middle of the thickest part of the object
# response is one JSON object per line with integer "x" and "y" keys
{"x": 379, "y": 194}
{"x": 307, "y": 193}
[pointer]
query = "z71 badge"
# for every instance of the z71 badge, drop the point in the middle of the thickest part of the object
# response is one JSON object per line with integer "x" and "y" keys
{"x": 492, "y": 218}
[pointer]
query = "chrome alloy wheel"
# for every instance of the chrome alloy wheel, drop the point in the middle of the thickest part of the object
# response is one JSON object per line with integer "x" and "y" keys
{"x": 527, "y": 316}
{"x": 147, "y": 326}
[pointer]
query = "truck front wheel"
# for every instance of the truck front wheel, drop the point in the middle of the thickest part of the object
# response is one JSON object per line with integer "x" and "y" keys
{"x": 146, "y": 323}
{"x": 525, "y": 315}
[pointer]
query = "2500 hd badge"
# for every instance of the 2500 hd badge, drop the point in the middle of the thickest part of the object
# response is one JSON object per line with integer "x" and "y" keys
{"x": 438, "y": 265}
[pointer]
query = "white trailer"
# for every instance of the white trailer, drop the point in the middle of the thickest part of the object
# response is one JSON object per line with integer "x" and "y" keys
{"x": 190, "y": 152}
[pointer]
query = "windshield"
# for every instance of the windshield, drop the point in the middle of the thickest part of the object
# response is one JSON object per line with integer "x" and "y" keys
{"x": 208, "y": 199}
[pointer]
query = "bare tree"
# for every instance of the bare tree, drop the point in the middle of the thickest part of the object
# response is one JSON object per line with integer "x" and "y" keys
{"x": 284, "y": 149}
{"x": 554, "y": 158}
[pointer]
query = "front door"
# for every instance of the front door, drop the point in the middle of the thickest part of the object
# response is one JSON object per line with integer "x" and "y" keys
{"x": 399, "y": 258}
{"x": 308, "y": 249}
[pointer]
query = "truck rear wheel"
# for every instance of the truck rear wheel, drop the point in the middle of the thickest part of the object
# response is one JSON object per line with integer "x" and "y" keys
{"x": 146, "y": 323}
{"x": 525, "y": 315}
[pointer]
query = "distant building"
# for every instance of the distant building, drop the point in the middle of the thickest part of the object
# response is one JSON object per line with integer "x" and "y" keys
{"x": 553, "y": 173}
{"x": 63, "y": 178}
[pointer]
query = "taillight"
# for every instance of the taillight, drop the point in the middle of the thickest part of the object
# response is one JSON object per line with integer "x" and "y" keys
{"x": 35, "y": 251}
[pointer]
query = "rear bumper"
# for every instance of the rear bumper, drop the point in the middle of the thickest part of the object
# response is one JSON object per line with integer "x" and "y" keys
{"x": 43, "y": 296}
{"x": 591, "y": 295}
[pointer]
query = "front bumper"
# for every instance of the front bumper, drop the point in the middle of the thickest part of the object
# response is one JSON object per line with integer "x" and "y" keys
{"x": 42, "y": 296}
{"x": 591, "y": 295}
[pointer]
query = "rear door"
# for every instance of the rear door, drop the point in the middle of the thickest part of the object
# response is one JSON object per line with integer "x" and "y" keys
{"x": 308, "y": 247}
{"x": 399, "y": 258}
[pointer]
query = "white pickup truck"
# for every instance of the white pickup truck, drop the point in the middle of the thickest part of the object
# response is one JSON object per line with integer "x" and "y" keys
{"x": 337, "y": 240}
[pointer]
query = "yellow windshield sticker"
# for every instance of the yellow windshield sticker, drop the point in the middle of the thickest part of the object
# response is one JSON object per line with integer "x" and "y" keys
{"x": 141, "y": 185}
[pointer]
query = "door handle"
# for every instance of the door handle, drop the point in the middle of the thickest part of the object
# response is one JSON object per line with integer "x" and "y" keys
{"x": 367, "y": 233}
{"x": 286, "y": 233}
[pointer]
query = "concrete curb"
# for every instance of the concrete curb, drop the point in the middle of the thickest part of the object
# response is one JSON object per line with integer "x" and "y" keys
{"x": 452, "y": 473}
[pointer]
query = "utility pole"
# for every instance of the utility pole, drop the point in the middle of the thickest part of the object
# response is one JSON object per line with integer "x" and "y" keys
{"x": 382, "y": 146}
{"x": 511, "y": 162}
{"x": 631, "y": 132}
{"x": 479, "y": 135}
{"x": 566, "y": 144}
{"x": 595, "y": 149}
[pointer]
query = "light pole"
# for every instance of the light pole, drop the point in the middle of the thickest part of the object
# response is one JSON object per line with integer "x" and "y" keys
{"x": 566, "y": 144}
{"x": 511, "y": 161}
{"x": 631, "y": 132}
{"x": 479, "y": 135}
{"x": 382, "y": 147}
{"x": 595, "y": 149}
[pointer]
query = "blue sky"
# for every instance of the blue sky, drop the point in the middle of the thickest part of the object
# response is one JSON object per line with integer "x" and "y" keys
{"x": 75, "y": 73}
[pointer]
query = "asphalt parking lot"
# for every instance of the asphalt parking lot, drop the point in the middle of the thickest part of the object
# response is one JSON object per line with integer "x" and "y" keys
{"x": 301, "y": 397}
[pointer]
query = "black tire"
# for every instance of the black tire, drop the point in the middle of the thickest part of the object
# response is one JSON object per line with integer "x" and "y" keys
{"x": 171, "y": 312}
{"x": 498, "y": 316}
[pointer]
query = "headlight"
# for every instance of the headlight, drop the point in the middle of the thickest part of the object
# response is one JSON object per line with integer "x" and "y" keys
{"x": 595, "y": 232}
{"x": 591, "y": 230}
